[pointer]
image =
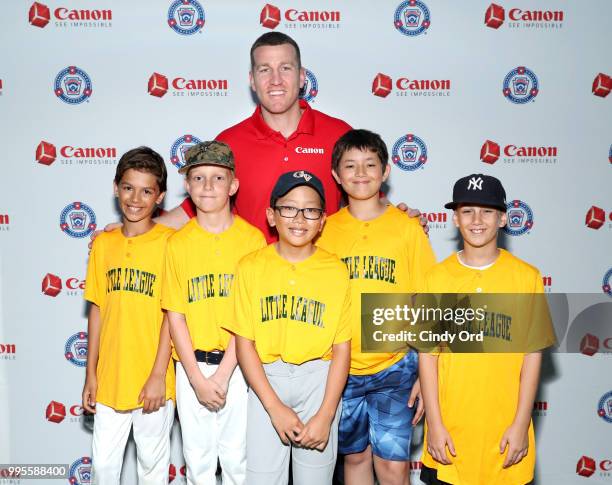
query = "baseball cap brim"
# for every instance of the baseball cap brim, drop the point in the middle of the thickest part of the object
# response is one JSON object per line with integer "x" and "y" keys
{"x": 454, "y": 205}
{"x": 186, "y": 168}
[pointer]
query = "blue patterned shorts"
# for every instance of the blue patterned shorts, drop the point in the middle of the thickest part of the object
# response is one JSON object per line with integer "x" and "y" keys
{"x": 375, "y": 411}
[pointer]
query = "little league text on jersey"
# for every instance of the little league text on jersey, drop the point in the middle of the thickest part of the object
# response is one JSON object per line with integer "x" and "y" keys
{"x": 300, "y": 309}
{"x": 371, "y": 268}
{"x": 204, "y": 286}
{"x": 130, "y": 279}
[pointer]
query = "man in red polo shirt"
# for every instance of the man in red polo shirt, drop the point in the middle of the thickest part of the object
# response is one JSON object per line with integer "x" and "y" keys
{"x": 283, "y": 134}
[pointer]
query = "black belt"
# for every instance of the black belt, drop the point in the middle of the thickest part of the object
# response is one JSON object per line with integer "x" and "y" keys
{"x": 212, "y": 358}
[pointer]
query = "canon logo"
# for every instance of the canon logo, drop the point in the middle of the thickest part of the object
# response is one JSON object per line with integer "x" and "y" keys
{"x": 435, "y": 216}
{"x": 293, "y": 15}
{"x": 200, "y": 84}
{"x": 7, "y": 349}
{"x": 75, "y": 284}
{"x": 62, "y": 13}
{"x": 91, "y": 152}
{"x": 320, "y": 151}
{"x": 536, "y": 15}
{"x": 547, "y": 280}
{"x": 514, "y": 151}
{"x": 4, "y": 219}
{"x": 405, "y": 84}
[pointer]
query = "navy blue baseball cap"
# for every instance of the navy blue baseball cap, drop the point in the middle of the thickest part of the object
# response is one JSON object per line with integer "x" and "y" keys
{"x": 478, "y": 189}
{"x": 290, "y": 180}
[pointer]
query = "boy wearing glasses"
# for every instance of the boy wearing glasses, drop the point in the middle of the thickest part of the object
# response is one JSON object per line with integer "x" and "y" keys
{"x": 200, "y": 263}
{"x": 292, "y": 327}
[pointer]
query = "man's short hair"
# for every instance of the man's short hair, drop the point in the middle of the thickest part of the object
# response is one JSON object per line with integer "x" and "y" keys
{"x": 275, "y": 38}
{"x": 143, "y": 159}
{"x": 363, "y": 140}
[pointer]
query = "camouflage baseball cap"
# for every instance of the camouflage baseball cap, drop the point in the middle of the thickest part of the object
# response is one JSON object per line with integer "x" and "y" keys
{"x": 208, "y": 153}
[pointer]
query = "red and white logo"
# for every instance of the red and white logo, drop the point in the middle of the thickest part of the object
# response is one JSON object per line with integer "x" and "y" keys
{"x": 270, "y": 17}
{"x": 547, "y": 283}
{"x": 172, "y": 472}
{"x": 591, "y": 344}
{"x": 491, "y": 151}
{"x": 159, "y": 85}
{"x": 8, "y": 351}
{"x": 540, "y": 408}
{"x": 4, "y": 222}
{"x": 602, "y": 84}
{"x": 47, "y": 153}
{"x": 436, "y": 220}
{"x": 596, "y": 217}
{"x": 495, "y": 16}
{"x": 52, "y": 285}
{"x": 382, "y": 85}
{"x": 39, "y": 15}
{"x": 587, "y": 466}
{"x": 56, "y": 412}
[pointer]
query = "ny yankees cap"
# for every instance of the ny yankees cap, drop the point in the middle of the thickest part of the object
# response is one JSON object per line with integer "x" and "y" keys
{"x": 290, "y": 180}
{"x": 208, "y": 153}
{"x": 478, "y": 189}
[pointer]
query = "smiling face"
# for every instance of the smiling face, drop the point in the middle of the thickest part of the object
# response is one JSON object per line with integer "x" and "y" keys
{"x": 479, "y": 225}
{"x": 276, "y": 77}
{"x": 297, "y": 231}
{"x": 361, "y": 174}
{"x": 138, "y": 194}
{"x": 210, "y": 187}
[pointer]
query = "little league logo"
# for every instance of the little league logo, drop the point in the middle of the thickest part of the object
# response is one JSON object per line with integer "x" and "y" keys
{"x": 179, "y": 147}
{"x": 607, "y": 283}
{"x": 72, "y": 85}
{"x": 520, "y": 218}
{"x": 80, "y": 472}
{"x": 604, "y": 408}
{"x": 186, "y": 17}
{"x": 78, "y": 220}
{"x": 409, "y": 153}
{"x": 75, "y": 349}
{"x": 521, "y": 85}
{"x": 412, "y": 17}
{"x": 311, "y": 87}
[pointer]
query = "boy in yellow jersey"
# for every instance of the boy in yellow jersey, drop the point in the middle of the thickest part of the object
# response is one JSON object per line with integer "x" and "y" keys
{"x": 200, "y": 264}
{"x": 385, "y": 252}
{"x": 293, "y": 340}
{"x": 130, "y": 380}
{"x": 478, "y": 406}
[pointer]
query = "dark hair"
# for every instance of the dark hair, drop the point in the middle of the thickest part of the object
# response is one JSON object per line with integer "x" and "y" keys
{"x": 363, "y": 140}
{"x": 143, "y": 159}
{"x": 275, "y": 38}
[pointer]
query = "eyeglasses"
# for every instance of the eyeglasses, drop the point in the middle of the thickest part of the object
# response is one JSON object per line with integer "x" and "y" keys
{"x": 310, "y": 213}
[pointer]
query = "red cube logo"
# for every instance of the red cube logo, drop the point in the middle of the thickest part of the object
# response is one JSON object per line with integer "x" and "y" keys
{"x": 56, "y": 412}
{"x": 39, "y": 15}
{"x": 589, "y": 345}
{"x": 269, "y": 16}
{"x": 382, "y": 85}
{"x": 585, "y": 466}
{"x": 489, "y": 152}
{"x": 51, "y": 285}
{"x": 494, "y": 16}
{"x": 602, "y": 85}
{"x": 158, "y": 85}
{"x": 46, "y": 153}
{"x": 595, "y": 217}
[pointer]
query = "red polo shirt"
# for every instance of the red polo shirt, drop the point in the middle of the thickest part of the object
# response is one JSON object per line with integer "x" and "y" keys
{"x": 263, "y": 154}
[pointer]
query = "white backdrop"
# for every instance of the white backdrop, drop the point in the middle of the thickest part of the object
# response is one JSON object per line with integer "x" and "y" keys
{"x": 456, "y": 105}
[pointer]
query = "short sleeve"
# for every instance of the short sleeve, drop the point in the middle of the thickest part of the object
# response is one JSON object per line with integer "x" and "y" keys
{"x": 241, "y": 321}
{"x": 94, "y": 278}
{"x": 344, "y": 333}
{"x": 173, "y": 292}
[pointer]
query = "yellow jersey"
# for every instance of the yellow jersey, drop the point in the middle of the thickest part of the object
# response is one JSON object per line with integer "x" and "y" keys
{"x": 124, "y": 277}
{"x": 478, "y": 393}
{"x": 200, "y": 268}
{"x": 292, "y": 311}
{"x": 389, "y": 254}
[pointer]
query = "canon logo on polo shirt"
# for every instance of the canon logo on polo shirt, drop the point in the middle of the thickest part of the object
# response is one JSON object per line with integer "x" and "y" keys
{"x": 319, "y": 151}
{"x": 62, "y": 13}
{"x": 535, "y": 15}
{"x": 198, "y": 84}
